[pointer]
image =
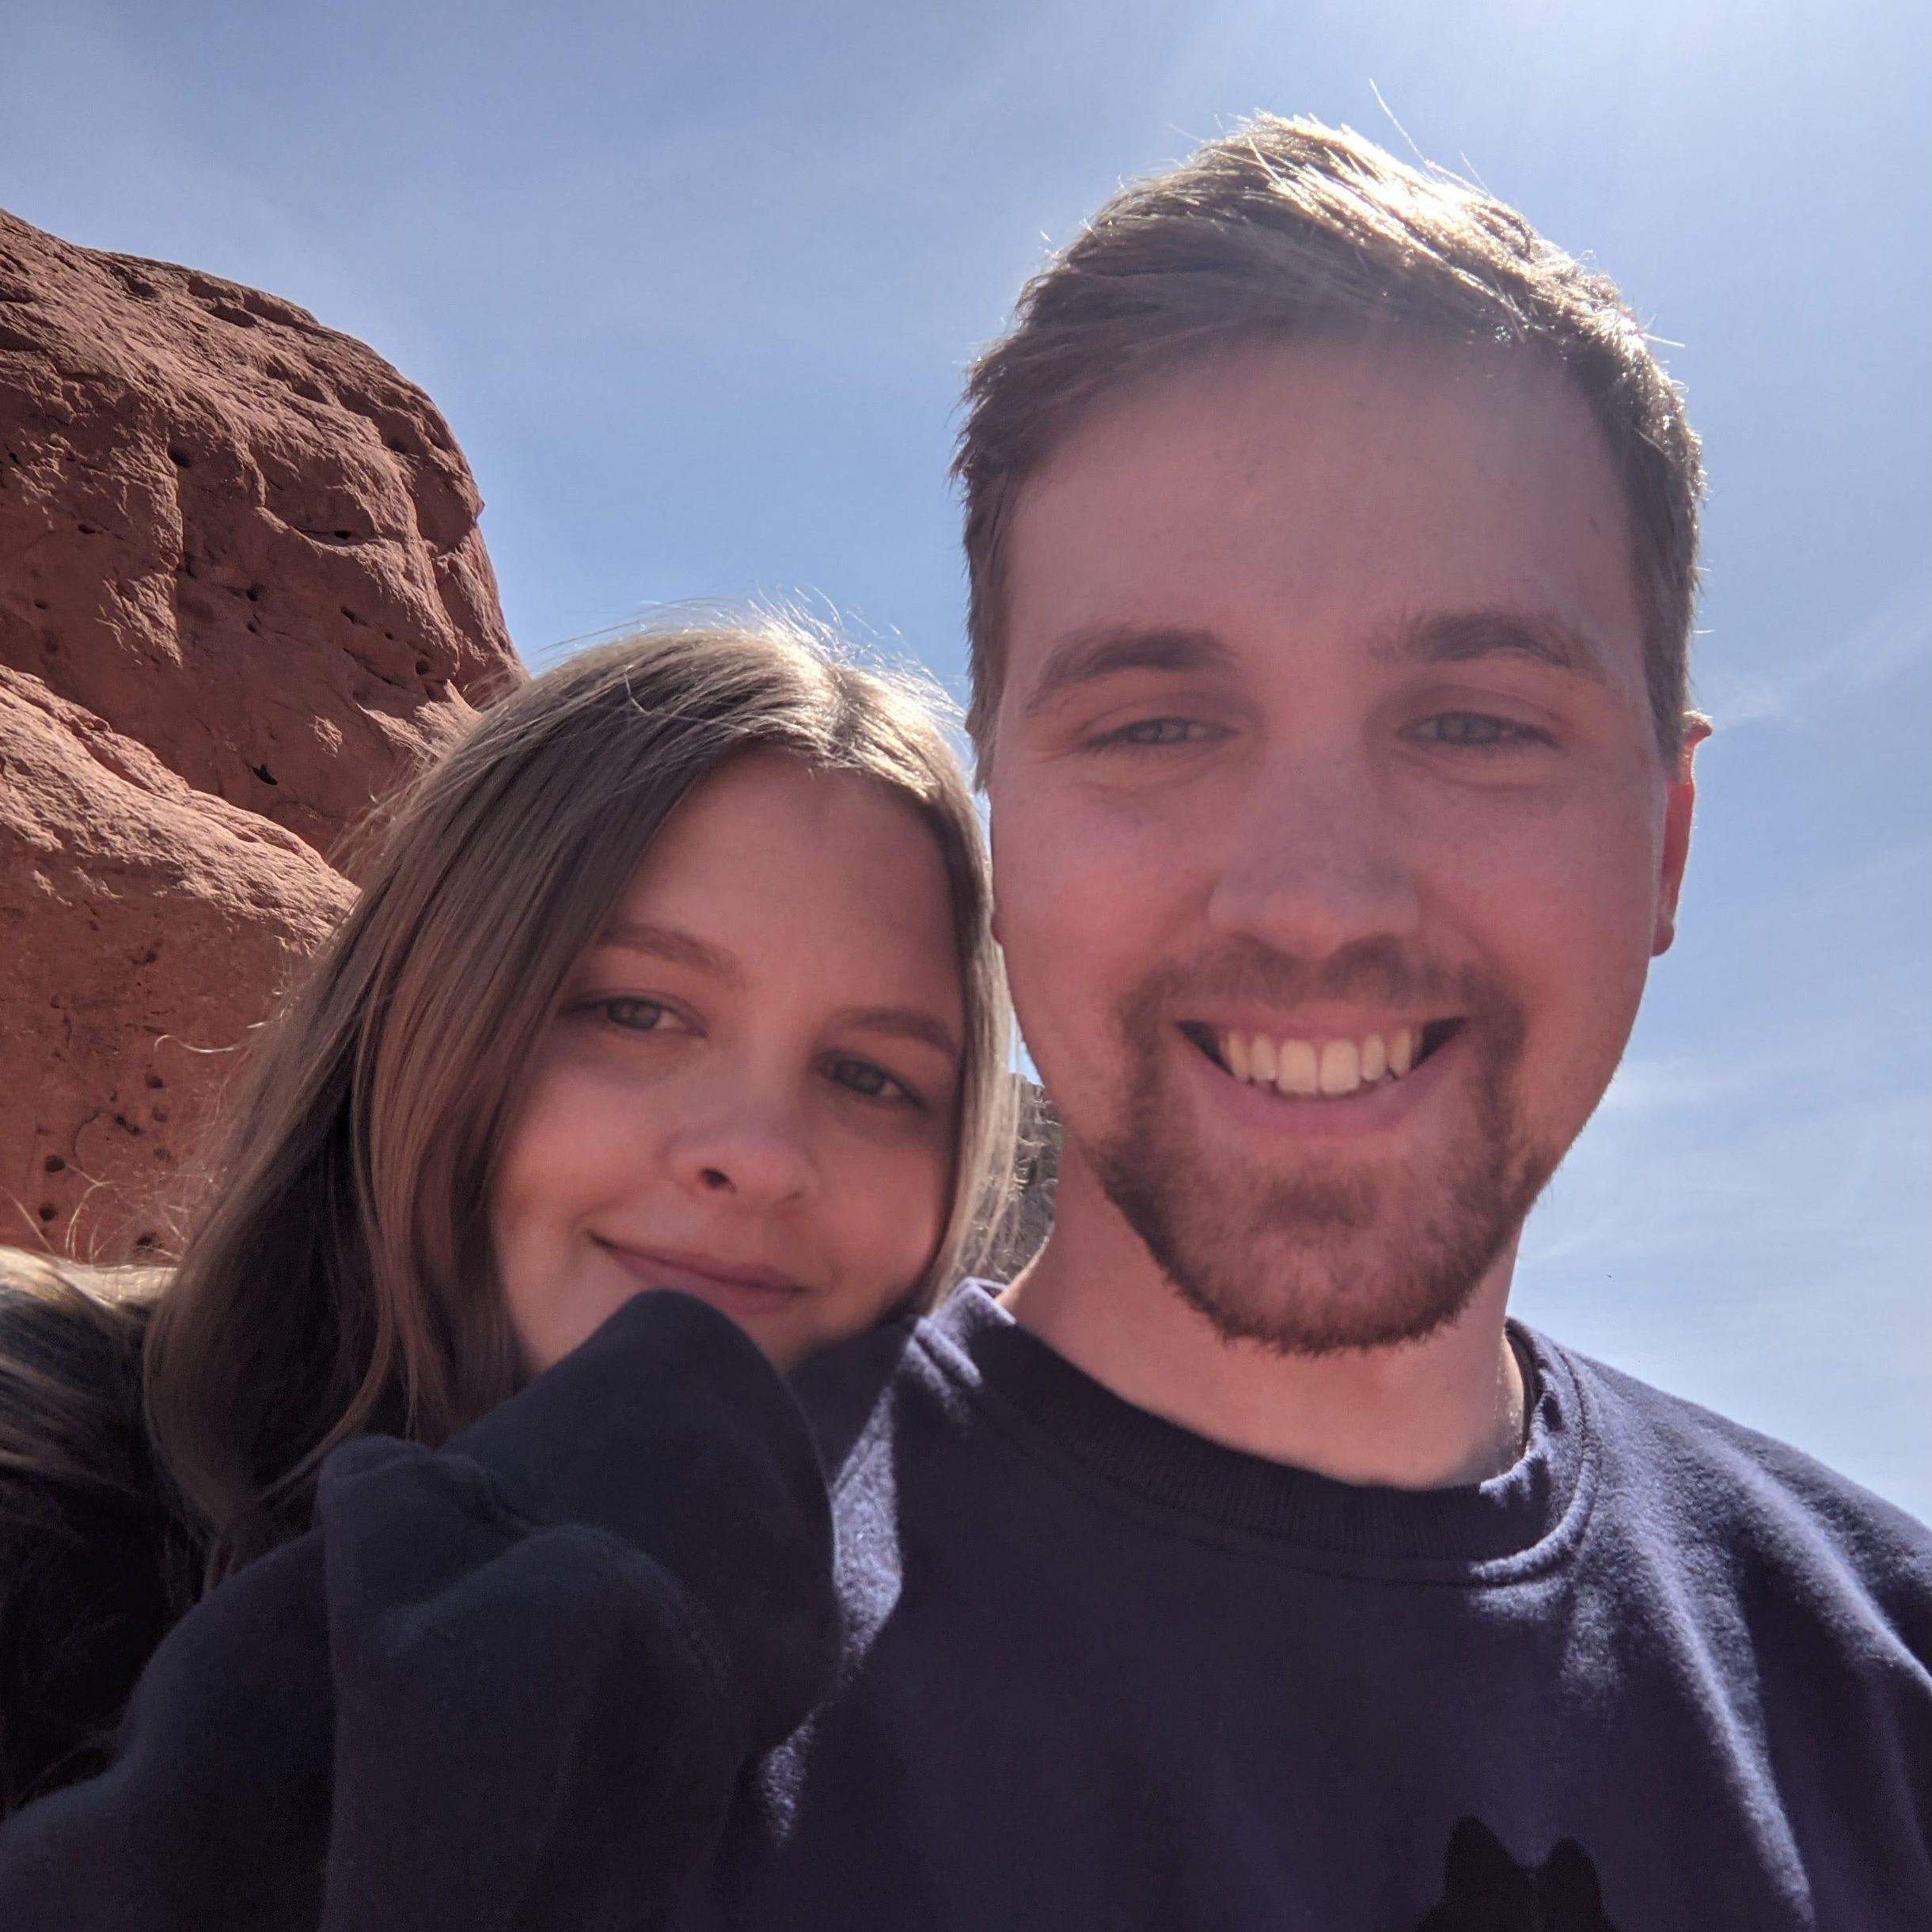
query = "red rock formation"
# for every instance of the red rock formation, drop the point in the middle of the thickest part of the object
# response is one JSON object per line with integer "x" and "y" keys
{"x": 242, "y": 590}
{"x": 143, "y": 925}
{"x": 241, "y": 537}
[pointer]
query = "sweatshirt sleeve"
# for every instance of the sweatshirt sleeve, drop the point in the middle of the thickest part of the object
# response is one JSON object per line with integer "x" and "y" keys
{"x": 512, "y": 1683}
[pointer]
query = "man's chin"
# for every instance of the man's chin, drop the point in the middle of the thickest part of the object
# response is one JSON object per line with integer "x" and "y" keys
{"x": 1332, "y": 1261}
{"x": 1304, "y": 1305}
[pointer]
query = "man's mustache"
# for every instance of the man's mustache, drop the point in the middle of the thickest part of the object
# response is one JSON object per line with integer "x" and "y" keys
{"x": 1378, "y": 972}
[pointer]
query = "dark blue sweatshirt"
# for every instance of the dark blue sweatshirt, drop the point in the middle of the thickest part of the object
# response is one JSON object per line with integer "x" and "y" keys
{"x": 513, "y": 1684}
{"x": 1097, "y": 1672}
{"x": 1665, "y": 1674}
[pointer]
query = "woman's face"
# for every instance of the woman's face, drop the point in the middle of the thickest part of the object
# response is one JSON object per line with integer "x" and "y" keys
{"x": 749, "y": 1091}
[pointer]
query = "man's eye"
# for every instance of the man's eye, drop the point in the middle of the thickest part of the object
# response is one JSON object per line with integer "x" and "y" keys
{"x": 869, "y": 1082}
{"x": 1478, "y": 731}
{"x": 1150, "y": 732}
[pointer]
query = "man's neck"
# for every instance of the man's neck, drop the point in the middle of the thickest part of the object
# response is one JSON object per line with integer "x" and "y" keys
{"x": 1427, "y": 1415}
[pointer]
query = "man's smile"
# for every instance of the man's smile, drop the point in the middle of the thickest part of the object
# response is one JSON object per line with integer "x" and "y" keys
{"x": 1300, "y": 1080}
{"x": 1304, "y": 1063}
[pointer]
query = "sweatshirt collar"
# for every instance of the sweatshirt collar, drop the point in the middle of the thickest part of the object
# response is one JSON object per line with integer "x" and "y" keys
{"x": 1537, "y": 1505}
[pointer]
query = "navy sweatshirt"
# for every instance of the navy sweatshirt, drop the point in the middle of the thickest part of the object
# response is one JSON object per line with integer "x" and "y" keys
{"x": 511, "y": 1684}
{"x": 1663, "y": 1675}
{"x": 1097, "y": 1673}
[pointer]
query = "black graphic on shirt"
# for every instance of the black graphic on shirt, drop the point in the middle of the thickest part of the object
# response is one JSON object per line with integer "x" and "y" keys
{"x": 1485, "y": 1890}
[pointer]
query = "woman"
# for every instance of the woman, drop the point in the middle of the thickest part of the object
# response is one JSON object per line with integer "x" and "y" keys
{"x": 677, "y": 972}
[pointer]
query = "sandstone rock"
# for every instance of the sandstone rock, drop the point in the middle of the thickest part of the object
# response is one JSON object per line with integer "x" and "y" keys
{"x": 242, "y": 591}
{"x": 239, "y": 536}
{"x": 144, "y": 926}
{"x": 1023, "y": 1230}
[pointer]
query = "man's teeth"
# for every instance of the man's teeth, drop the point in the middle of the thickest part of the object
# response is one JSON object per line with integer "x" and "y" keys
{"x": 1330, "y": 1068}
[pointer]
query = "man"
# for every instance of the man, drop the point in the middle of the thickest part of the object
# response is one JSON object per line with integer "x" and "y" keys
{"x": 1333, "y": 546}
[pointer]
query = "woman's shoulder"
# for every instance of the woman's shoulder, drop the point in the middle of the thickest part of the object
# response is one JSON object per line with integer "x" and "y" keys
{"x": 83, "y": 1530}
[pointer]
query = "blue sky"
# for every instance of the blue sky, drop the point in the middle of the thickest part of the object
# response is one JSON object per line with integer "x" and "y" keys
{"x": 694, "y": 284}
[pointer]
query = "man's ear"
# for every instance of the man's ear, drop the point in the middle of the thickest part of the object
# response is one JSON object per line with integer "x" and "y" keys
{"x": 1679, "y": 804}
{"x": 985, "y": 793}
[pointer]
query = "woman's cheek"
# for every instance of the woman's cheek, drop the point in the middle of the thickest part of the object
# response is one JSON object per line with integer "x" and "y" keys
{"x": 893, "y": 1234}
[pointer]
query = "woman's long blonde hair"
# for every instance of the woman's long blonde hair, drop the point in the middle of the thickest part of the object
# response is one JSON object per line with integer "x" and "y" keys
{"x": 337, "y": 1279}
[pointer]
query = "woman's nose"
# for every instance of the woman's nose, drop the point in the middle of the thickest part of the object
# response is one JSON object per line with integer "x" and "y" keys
{"x": 757, "y": 1160}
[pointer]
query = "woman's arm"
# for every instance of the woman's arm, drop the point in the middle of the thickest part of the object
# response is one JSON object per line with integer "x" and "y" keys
{"x": 511, "y": 1682}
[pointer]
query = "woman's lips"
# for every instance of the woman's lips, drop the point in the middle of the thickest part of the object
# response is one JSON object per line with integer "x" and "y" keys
{"x": 738, "y": 1291}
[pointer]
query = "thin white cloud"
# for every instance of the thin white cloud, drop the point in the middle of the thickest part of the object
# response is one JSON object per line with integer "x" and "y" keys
{"x": 1675, "y": 1082}
{"x": 1891, "y": 641}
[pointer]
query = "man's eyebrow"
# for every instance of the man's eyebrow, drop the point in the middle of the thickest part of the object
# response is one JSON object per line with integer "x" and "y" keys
{"x": 1084, "y": 657}
{"x": 640, "y": 936}
{"x": 1462, "y": 636}
{"x": 900, "y": 1023}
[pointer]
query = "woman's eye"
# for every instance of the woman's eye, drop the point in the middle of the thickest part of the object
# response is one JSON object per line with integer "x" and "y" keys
{"x": 1478, "y": 731}
{"x": 871, "y": 1083}
{"x": 633, "y": 1016}
{"x": 1148, "y": 733}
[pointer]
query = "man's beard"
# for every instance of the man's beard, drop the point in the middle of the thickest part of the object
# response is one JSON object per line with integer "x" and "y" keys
{"x": 1351, "y": 1252}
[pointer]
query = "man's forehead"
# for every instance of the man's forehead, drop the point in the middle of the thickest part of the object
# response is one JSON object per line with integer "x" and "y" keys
{"x": 1424, "y": 498}
{"x": 1329, "y": 419}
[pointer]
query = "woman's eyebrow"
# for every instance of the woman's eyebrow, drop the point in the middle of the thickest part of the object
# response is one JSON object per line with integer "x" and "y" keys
{"x": 902, "y": 1023}
{"x": 641, "y": 935}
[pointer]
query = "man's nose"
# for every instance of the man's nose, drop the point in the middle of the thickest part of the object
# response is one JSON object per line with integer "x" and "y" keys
{"x": 1315, "y": 861}
{"x": 755, "y": 1154}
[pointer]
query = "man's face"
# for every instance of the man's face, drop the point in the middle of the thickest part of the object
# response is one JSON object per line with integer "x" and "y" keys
{"x": 1331, "y": 837}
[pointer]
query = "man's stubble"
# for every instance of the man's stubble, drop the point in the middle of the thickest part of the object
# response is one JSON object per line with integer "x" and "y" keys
{"x": 1352, "y": 1251}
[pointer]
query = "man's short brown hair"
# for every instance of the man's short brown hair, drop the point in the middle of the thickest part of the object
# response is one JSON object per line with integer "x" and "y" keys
{"x": 1287, "y": 229}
